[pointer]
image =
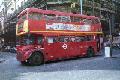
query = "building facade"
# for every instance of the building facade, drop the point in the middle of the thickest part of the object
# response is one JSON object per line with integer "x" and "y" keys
{"x": 9, "y": 10}
{"x": 3, "y": 14}
{"x": 104, "y": 9}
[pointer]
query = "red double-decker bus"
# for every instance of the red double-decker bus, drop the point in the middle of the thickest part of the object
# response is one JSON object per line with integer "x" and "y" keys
{"x": 46, "y": 35}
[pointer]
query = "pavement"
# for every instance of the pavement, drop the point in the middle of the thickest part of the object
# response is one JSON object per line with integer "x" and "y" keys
{"x": 5, "y": 56}
{"x": 95, "y": 68}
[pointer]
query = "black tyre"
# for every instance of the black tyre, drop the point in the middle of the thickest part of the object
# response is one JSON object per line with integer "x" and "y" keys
{"x": 24, "y": 63}
{"x": 90, "y": 52}
{"x": 36, "y": 59}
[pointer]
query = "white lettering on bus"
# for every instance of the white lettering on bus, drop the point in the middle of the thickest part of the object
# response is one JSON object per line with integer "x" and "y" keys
{"x": 71, "y": 27}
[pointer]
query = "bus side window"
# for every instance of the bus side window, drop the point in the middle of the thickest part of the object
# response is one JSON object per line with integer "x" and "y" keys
{"x": 40, "y": 40}
{"x": 50, "y": 17}
{"x": 63, "y": 18}
{"x": 55, "y": 39}
{"x": 64, "y": 39}
{"x": 52, "y": 39}
{"x": 72, "y": 39}
{"x": 61, "y": 39}
{"x": 83, "y": 38}
{"x": 72, "y": 18}
{"x": 79, "y": 38}
{"x": 77, "y": 19}
{"x": 89, "y": 38}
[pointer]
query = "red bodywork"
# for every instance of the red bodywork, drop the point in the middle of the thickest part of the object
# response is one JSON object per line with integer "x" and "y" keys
{"x": 58, "y": 50}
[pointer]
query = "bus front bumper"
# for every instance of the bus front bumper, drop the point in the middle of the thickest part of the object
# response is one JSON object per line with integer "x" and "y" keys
{"x": 21, "y": 56}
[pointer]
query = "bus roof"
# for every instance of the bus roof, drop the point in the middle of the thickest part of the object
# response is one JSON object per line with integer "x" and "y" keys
{"x": 29, "y": 10}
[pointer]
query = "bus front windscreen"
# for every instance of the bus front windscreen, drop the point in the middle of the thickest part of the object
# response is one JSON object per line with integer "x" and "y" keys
{"x": 26, "y": 40}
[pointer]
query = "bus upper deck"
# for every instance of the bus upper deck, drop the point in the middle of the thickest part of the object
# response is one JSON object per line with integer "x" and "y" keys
{"x": 54, "y": 21}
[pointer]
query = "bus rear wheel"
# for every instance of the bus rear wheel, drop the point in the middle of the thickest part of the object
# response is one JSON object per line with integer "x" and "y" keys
{"x": 90, "y": 52}
{"x": 36, "y": 59}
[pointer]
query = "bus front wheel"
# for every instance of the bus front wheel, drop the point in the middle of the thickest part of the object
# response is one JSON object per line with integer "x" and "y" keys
{"x": 90, "y": 52}
{"x": 36, "y": 59}
{"x": 24, "y": 63}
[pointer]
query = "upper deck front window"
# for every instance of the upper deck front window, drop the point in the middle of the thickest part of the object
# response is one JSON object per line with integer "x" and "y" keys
{"x": 22, "y": 18}
{"x": 35, "y": 16}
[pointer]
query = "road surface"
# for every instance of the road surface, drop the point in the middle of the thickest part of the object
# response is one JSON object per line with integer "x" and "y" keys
{"x": 95, "y": 68}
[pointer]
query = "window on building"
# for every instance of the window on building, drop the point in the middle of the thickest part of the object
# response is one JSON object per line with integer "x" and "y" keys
{"x": 3, "y": 10}
{"x": 12, "y": 9}
{"x": 22, "y": 3}
{"x": 18, "y": 6}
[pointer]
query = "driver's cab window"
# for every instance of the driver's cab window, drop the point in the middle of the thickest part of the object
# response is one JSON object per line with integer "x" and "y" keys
{"x": 40, "y": 39}
{"x": 31, "y": 39}
{"x": 28, "y": 41}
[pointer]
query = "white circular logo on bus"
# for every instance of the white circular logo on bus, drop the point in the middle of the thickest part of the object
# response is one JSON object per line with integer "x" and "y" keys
{"x": 64, "y": 46}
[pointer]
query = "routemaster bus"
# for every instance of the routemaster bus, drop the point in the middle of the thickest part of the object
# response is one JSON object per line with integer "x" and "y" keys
{"x": 47, "y": 35}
